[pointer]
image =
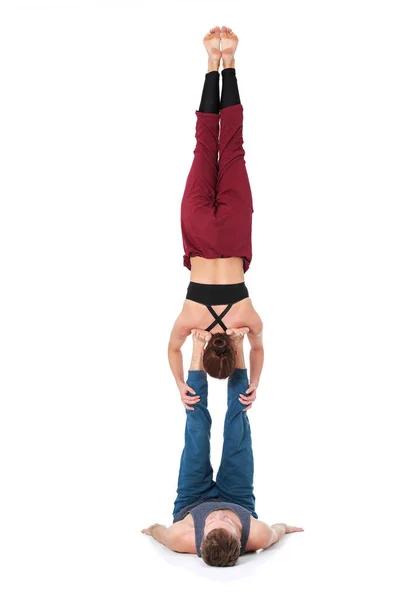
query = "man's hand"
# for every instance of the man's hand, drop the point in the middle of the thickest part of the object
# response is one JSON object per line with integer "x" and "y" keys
{"x": 292, "y": 529}
{"x": 187, "y": 400}
{"x": 237, "y": 334}
{"x": 288, "y": 528}
{"x": 149, "y": 530}
{"x": 172, "y": 537}
{"x": 248, "y": 400}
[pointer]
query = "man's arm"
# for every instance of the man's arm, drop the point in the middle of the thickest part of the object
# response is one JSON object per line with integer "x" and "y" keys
{"x": 177, "y": 537}
{"x": 263, "y": 535}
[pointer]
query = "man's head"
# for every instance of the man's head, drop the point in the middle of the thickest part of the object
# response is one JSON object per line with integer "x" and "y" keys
{"x": 219, "y": 358}
{"x": 221, "y": 543}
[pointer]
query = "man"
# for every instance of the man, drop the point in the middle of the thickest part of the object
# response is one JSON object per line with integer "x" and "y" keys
{"x": 217, "y": 519}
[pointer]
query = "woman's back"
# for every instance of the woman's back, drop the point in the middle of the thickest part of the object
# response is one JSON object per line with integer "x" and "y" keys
{"x": 197, "y": 316}
{"x": 222, "y": 271}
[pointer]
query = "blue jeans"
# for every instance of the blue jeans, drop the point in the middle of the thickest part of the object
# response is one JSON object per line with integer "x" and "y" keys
{"x": 234, "y": 480}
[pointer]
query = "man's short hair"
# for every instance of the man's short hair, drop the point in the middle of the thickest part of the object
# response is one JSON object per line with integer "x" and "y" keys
{"x": 220, "y": 548}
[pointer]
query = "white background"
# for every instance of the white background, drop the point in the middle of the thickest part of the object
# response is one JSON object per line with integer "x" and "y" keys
{"x": 97, "y": 122}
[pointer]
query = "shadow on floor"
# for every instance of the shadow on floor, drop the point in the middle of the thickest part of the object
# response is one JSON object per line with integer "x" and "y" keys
{"x": 247, "y": 565}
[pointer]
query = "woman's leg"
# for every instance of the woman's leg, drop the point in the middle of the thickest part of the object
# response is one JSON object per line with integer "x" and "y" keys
{"x": 234, "y": 196}
{"x": 210, "y": 102}
{"x": 197, "y": 211}
{"x": 230, "y": 90}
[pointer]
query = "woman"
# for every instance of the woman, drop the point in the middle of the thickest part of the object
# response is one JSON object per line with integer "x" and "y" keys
{"x": 216, "y": 219}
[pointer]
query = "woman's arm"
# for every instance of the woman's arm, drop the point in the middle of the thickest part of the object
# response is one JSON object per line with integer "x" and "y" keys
{"x": 256, "y": 357}
{"x": 177, "y": 338}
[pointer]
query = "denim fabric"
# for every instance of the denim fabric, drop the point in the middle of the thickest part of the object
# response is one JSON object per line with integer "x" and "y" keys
{"x": 234, "y": 480}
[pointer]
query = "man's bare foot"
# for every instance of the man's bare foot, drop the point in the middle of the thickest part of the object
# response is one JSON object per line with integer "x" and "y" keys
{"x": 200, "y": 336}
{"x": 237, "y": 334}
{"x": 212, "y": 45}
{"x": 229, "y": 43}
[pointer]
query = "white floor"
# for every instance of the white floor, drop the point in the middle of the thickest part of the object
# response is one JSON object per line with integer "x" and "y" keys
{"x": 262, "y": 565}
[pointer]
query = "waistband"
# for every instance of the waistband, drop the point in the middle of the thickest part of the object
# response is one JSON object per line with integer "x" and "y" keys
{"x": 215, "y": 294}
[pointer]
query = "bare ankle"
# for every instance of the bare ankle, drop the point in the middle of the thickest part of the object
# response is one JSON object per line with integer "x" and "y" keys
{"x": 229, "y": 64}
{"x": 213, "y": 66}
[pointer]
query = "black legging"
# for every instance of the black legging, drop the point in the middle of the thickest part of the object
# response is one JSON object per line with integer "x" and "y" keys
{"x": 210, "y": 102}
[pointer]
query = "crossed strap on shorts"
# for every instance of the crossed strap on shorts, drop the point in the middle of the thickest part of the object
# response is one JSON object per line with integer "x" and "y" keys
{"x": 218, "y": 318}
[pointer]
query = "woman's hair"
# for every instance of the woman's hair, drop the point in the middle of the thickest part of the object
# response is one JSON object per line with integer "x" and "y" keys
{"x": 219, "y": 358}
{"x": 220, "y": 549}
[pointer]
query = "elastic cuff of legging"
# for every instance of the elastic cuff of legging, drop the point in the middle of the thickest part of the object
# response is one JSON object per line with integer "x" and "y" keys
{"x": 229, "y": 70}
{"x": 204, "y": 115}
{"x": 232, "y": 108}
{"x": 197, "y": 375}
{"x": 212, "y": 74}
{"x": 239, "y": 374}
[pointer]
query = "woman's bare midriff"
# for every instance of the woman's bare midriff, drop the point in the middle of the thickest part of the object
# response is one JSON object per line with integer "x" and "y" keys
{"x": 223, "y": 271}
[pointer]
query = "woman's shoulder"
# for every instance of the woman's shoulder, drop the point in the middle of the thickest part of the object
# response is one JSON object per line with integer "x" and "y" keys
{"x": 250, "y": 317}
{"x": 189, "y": 316}
{"x": 247, "y": 307}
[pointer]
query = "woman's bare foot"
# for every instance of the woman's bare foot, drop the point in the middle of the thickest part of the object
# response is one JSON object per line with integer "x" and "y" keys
{"x": 229, "y": 43}
{"x": 212, "y": 45}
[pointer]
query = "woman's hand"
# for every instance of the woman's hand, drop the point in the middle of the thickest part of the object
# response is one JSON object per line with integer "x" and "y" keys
{"x": 250, "y": 398}
{"x": 187, "y": 400}
{"x": 237, "y": 334}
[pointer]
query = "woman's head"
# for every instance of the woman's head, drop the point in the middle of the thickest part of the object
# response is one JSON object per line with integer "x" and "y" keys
{"x": 219, "y": 358}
